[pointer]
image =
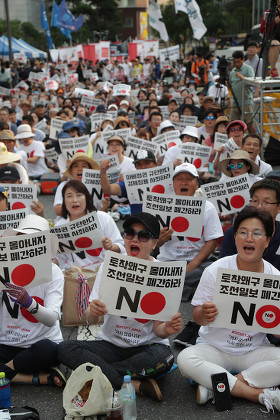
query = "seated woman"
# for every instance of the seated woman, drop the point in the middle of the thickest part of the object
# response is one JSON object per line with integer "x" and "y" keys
{"x": 216, "y": 350}
{"x": 77, "y": 202}
{"x": 239, "y": 163}
{"x": 112, "y": 352}
{"x": 189, "y": 135}
{"x": 30, "y": 330}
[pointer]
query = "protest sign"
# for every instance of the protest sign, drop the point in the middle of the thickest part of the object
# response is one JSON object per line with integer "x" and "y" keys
{"x": 196, "y": 154}
{"x": 228, "y": 196}
{"x": 134, "y": 144}
{"x": 20, "y": 196}
{"x": 220, "y": 140}
{"x": 72, "y": 145}
{"x": 172, "y": 53}
{"x": 247, "y": 301}
{"x": 83, "y": 234}
{"x": 188, "y": 120}
{"x": 113, "y": 159}
{"x": 22, "y": 85}
{"x": 121, "y": 90}
{"x": 21, "y": 57}
{"x": 10, "y": 219}
{"x": 90, "y": 102}
{"x": 91, "y": 179}
{"x": 139, "y": 288}
{"x": 56, "y": 128}
{"x": 51, "y": 85}
{"x": 166, "y": 140}
{"x": 37, "y": 77}
{"x": 79, "y": 92}
{"x": 51, "y": 155}
{"x": 184, "y": 215}
{"x": 144, "y": 104}
{"x": 231, "y": 146}
{"x": 26, "y": 259}
{"x": 96, "y": 120}
{"x": 4, "y": 91}
{"x": 158, "y": 179}
{"x": 179, "y": 126}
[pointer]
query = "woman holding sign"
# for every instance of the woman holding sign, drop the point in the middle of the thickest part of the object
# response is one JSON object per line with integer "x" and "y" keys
{"x": 232, "y": 349}
{"x": 144, "y": 353}
{"x": 77, "y": 202}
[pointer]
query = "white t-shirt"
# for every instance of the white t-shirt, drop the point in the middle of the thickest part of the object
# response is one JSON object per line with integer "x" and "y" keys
{"x": 36, "y": 148}
{"x": 23, "y": 158}
{"x": 230, "y": 341}
{"x": 188, "y": 248}
{"x": 126, "y": 165}
{"x": 22, "y": 329}
{"x": 171, "y": 154}
{"x": 125, "y": 332}
{"x": 264, "y": 167}
{"x": 218, "y": 92}
{"x": 58, "y": 194}
{"x": 92, "y": 258}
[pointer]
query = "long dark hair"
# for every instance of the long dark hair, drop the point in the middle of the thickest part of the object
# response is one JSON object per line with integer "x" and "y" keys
{"x": 78, "y": 186}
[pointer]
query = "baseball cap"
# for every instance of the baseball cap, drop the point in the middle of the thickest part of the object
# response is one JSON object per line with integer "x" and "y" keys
{"x": 186, "y": 167}
{"x": 145, "y": 155}
{"x": 147, "y": 219}
{"x": 10, "y": 173}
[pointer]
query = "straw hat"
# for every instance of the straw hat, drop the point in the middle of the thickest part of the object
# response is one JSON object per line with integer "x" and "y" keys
{"x": 239, "y": 154}
{"x": 7, "y": 157}
{"x": 80, "y": 156}
{"x": 7, "y": 135}
{"x": 118, "y": 120}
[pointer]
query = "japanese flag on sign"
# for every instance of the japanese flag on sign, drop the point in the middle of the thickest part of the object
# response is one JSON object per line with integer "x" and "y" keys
{"x": 22, "y": 85}
{"x": 246, "y": 301}
{"x": 20, "y": 196}
{"x": 139, "y": 288}
{"x": 72, "y": 145}
{"x": 229, "y": 196}
{"x": 79, "y": 92}
{"x": 184, "y": 215}
{"x": 167, "y": 140}
{"x": 121, "y": 90}
{"x": 51, "y": 85}
{"x": 26, "y": 259}
{"x": 134, "y": 144}
{"x": 158, "y": 179}
{"x": 90, "y": 102}
{"x": 82, "y": 234}
{"x": 37, "y": 77}
{"x": 196, "y": 154}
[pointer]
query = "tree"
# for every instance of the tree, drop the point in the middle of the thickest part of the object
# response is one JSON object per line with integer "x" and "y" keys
{"x": 26, "y": 31}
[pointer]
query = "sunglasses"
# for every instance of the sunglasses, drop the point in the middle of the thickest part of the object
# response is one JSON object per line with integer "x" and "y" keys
{"x": 142, "y": 235}
{"x": 209, "y": 118}
{"x": 231, "y": 166}
{"x": 234, "y": 129}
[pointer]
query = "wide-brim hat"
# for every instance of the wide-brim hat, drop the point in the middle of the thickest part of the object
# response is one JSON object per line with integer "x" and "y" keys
{"x": 189, "y": 130}
{"x": 24, "y": 132}
{"x": 34, "y": 224}
{"x": 7, "y": 157}
{"x": 7, "y": 135}
{"x": 80, "y": 156}
{"x": 239, "y": 154}
{"x": 222, "y": 119}
{"x": 120, "y": 119}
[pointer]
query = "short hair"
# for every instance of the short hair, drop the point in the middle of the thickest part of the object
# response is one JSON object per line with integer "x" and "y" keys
{"x": 80, "y": 187}
{"x": 238, "y": 54}
{"x": 208, "y": 112}
{"x": 266, "y": 184}
{"x": 252, "y": 44}
{"x": 156, "y": 113}
{"x": 253, "y": 136}
{"x": 28, "y": 118}
{"x": 251, "y": 212}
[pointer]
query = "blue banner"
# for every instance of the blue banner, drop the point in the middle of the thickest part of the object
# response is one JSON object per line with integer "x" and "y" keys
{"x": 66, "y": 20}
{"x": 45, "y": 25}
{"x": 55, "y": 23}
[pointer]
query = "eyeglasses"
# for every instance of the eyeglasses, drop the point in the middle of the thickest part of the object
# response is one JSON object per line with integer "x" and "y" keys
{"x": 231, "y": 166}
{"x": 142, "y": 235}
{"x": 209, "y": 118}
{"x": 234, "y": 129}
{"x": 263, "y": 204}
{"x": 256, "y": 234}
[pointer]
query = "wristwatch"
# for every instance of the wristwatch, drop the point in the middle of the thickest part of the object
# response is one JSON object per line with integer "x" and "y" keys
{"x": 34, "y": 310}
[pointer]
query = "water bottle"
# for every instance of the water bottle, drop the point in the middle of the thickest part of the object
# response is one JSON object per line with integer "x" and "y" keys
{"x": 129, "y": 399}
{"x": 5, "y": 391}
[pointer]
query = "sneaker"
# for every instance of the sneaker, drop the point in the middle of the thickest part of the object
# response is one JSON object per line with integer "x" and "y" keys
{"x": 270, "y": 398}
{"x": 187, "y": 337}
{"x": 273, "y": 73}
{"x": 203, "y": 395}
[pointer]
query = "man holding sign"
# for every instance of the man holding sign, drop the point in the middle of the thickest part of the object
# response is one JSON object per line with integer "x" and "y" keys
{"x": 230, "y": 348}
{"x": 127, "y": 345}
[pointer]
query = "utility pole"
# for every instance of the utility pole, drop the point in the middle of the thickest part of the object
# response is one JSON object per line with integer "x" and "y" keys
{"x": 9, "y": 30}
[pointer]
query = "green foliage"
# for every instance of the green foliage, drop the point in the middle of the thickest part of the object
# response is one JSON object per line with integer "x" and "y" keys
{"x": 26, "y": 31}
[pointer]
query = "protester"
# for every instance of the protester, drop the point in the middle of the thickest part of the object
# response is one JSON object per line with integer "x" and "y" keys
{"x": 116, "y": 355}
{"x": 224, "y": 349}
{"x": 239, "y": 163}
{"x": 30, "y": 329}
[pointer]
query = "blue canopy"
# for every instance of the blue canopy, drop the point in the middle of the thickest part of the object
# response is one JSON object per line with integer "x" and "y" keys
{"x": 35, "y": 51}
{"x": 19, "y": 46}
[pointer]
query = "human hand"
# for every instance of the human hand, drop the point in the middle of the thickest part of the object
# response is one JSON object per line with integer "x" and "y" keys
{"x": 107, "y": 243}
{"x": 209, "y": 311}
{"x": 18, "y": 294}
{"x": 97, "y": 308}
{"x": 104, "y": 166}
{"x": 177, "y": 162}
{"x": 37, "y": 208}
{"x": 174, "y": 325}
{"x": 165, "y": 235}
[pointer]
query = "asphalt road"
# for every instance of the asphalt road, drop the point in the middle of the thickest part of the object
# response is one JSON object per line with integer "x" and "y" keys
{"x": 179, "y": 397}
